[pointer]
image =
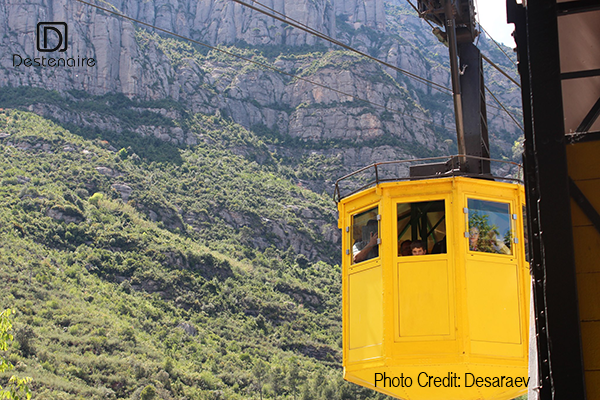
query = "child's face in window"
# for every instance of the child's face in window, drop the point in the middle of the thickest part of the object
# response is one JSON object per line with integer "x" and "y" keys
{"x": 418, "y": 251}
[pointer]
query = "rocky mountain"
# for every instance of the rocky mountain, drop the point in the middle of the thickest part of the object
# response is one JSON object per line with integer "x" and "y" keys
{"x": 404, "y": 118}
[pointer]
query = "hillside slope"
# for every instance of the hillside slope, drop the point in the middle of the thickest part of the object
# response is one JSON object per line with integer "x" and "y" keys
{"x": 111, "y": 304}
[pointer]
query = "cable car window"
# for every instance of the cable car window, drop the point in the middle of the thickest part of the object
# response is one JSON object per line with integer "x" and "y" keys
{"x": 421, "y": 228}
{"x": 489, "y": 226}
{"x": 365, "y": 235}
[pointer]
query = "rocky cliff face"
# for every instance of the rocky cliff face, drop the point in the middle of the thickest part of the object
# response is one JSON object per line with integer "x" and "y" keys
{"x": 298, "y": 118}
{"x": 111, "y": 40}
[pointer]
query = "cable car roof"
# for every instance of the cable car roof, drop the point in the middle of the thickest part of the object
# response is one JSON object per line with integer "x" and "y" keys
{"x": 388, "y": 171}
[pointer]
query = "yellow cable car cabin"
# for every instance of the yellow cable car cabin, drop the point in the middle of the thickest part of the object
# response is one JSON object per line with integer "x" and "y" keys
{"x": 451, "y": 323}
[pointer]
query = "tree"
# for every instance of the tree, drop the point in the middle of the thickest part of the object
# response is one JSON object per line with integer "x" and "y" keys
{"x": 23, "y": 336}
{"x": 293, "y": 376}
{"x": 149, "y": 393}
{"x": 122, "y": 154}
{"x": 17, "y": 388}
{"x": 259, "y": 370}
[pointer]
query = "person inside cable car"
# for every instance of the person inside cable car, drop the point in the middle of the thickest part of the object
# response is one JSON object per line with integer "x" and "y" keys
{"x": 418, "y": 248}
{"x": 368, "y": 247}
{"x": 489, "y": 243}
{"x": 440, "y": 247}
{"x": 404, "y": 248}
{"x": 424, "y": 221}
{"x": 474, "y": 239}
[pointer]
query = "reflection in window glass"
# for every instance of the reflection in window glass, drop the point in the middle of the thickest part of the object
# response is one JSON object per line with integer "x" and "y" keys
{"x": 421, "y": 228}
{"x": 365, "y": 235}
{"x": 490, "y": 229}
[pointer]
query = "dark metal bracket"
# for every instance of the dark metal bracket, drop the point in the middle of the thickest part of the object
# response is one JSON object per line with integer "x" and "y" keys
{"x": 573, "y": 7}
{"x": 585, "y": 205}
{"x": 590, "y": 118}
{"x": 580, "y": 74}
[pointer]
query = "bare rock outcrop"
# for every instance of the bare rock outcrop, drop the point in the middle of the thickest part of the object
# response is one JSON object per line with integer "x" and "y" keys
{"x": 123, "y": 190}
{"x": 368, "y": 112}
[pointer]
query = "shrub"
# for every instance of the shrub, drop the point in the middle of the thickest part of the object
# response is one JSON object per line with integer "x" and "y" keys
{"x": 149, "y": 393}
{"x": 96, "y": 197}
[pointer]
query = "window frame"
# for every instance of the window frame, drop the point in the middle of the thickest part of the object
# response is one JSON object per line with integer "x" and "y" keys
{"x": 351, "y": 240}
{"x": 398, "y": 201}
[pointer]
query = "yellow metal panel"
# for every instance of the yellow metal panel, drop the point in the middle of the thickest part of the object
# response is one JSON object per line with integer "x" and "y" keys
{"x": 592, "y": 385}
{"x": 590, "y": 332}
{"x": 583, "y": 161}
{"x": 421, "y": 190}
{"x": 341, "y": 215}
{"x": 444, "y": 349}
{"x": 365, "y": 353}
{"x": 587, "y": 249}
{"x": 365, "y": 314}
{"x": 591, "y": 190}
{"x": 388, "y": 246}
{"x": 497, "y": 349}
{"x": 424, "y": 298}
{"x": 361, "y": 200}
{"x": 588, "y": 290}
{"x": 493, "y": 302}
{"x": 489, "y": 190}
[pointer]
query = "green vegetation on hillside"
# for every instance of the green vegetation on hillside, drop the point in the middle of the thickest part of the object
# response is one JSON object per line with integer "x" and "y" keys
{"x": 17, "y": 388}
{"x": 111, "y": 304}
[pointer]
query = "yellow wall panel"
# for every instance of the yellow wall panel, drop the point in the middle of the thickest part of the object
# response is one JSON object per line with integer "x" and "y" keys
{"x": 588, "y": 288}
{"x": 583, "y": 160}
{"x": 590, "y": 332}
{"x": 591, "y": 190}
{"x": 587, "y": 249}
{"x": 493, "y": 302}
{"x": 592, "y": 385}
{"x": 495, "y": 348}
{"x": 365, "y": 308}
{"x": 365, "y": 353}
{"x": 424, "y": 299}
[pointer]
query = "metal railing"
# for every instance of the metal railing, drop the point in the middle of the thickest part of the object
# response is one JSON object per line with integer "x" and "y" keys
{"x": 356, "y": 181}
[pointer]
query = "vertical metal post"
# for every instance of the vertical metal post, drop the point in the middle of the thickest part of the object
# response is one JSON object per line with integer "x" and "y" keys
{"x": 450, "y": 25}
{"x": 467, "y": 84}
{"x": 560, "y": 360}
{"x": 473, "y": 101}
